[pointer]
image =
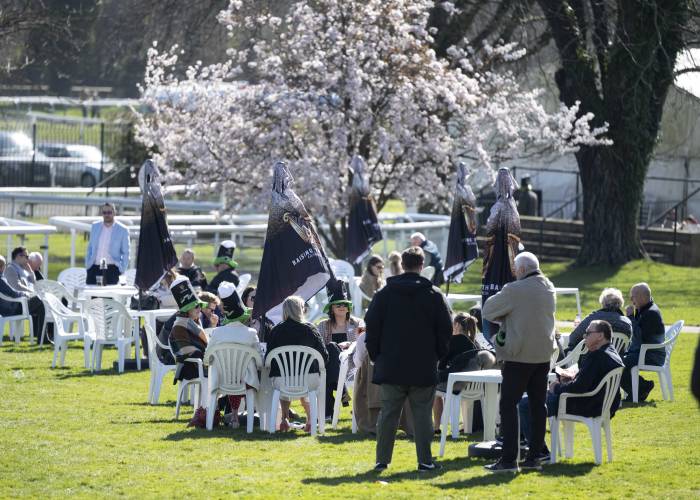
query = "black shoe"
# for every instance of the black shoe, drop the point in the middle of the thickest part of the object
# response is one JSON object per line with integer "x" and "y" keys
{"x": 502, "y": 466}
{"x": 644, "y": 393}
{"x": 379, "y": 467}
{"x": 544, "y": 456}
{"x": 432, "y": 466}
{"x": 531, "y": 464}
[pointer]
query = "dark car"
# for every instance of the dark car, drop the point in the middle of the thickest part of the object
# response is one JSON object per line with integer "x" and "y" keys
{"x": 20, "y": 165}
{"x": 77, "y": 164}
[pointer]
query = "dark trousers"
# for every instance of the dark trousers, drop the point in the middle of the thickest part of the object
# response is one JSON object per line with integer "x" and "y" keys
{"x": 420, "y": 400}
{"x": 332, "y": 374}
{"x": 631, "y": 360}
{"x": 37, "y": 312}
{"x": 111, "y": 276}
{"x": 519, "y": 378}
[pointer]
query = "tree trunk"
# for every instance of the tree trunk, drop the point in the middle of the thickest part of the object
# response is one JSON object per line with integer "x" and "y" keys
{"x": 611, "y": 201}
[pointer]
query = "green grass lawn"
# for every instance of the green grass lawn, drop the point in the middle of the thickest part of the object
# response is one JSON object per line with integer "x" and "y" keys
{"x": 65, "y": 432}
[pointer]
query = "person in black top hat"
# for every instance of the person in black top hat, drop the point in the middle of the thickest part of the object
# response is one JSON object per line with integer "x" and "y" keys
{"x": 187, "y": 337}
{"x": 224, "y": 265}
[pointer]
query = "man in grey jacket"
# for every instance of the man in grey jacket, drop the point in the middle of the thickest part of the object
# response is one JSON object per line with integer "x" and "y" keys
{"x": 525, "y": 342}
{"x": 20, "y": 278}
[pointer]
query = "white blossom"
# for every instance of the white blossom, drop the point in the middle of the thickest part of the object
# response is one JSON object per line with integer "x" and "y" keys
{"x": 335, "y": 78}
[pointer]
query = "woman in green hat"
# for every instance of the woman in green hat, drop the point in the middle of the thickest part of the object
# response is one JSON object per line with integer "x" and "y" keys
{"x": 187, "y": 337}
{"x": 338, "y": 332}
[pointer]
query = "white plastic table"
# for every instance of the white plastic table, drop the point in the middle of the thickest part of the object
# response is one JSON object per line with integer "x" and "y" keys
{"x": 150, "y": 318}
{"x": 492, "y": 380}
{"x": 116, "y": 292}
{"x": 463, "y": 297}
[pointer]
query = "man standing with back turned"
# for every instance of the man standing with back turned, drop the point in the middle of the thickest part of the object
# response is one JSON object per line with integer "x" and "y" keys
{"x": 109, "y": 240}
{"x": 525, "y": 341}
{"x": 408, "y": 331}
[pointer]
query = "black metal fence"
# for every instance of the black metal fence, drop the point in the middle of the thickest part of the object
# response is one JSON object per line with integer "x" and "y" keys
{"x": 46, "y": 150}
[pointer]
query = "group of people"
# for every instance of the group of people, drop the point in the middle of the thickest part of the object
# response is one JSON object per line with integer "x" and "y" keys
{"x": 404, "y": 348}
{"x": 17, "y": 279}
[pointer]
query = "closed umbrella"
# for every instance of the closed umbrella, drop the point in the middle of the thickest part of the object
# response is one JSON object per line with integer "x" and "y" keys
{"x": 462, "y": 249}
{"x": 363, "y": 225}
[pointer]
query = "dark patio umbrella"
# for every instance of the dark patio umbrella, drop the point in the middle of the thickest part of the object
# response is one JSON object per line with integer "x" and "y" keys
{"x": 462, "y": 249}
{"x": 155, "y": 254}
{"x": 502, "y": 241}
{"x": 363, "y": 225}
{"x": 293, "y": 262}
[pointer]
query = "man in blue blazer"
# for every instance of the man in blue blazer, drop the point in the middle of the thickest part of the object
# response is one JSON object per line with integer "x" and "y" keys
{"x": 109, "y": 240}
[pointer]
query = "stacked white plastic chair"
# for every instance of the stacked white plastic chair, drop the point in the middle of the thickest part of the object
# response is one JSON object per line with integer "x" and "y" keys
{"x": 63, "y": 316}
{"x": 345, "y": 379}
{"x": 294, "y": 363}
{"x": 15, "y": 321}
{"x": 73, "y": 278}
{"x": 158, "y": 370}
{"x": 610, "y": 386}
{"x": 664, "y": 371}
{"x": 59, "y": 291}
{"x": 109, "y": 323}
{"x": 228, "y": 365}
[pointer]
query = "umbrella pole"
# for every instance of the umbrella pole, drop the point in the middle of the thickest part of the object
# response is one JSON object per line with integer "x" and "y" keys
{"x": 448, "y": 286}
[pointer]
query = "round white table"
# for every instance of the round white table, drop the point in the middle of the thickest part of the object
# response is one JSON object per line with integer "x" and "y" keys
{"x": 116, "y": 292}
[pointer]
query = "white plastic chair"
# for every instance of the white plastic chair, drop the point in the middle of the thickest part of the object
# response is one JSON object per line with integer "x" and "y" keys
{"x": 243, "y": 281}
{"x": 342, "y": 269}
{"x": 428, "y": 272}
{"x": 109, "y": 324}
{"x": 573, "y": 356}
{"x": 358, "y": 297}
{"x": 228, "y": 365}
{"x": 59, "y": 291}
{"x": 664, "y": 371}
{"x": 315, "y": 308}
{"x": 130, "y": 276}
{"x": 196, "y": 385}
{"x": 347, "y": 380}
{"x": 611, "y": 385}
{"x": 72, "y": 278}
{"x": 158, "y": 369}
{"x": 61, "y": 316}
{"x": 15, "y": 322}
{"x": 472, "y": 391}
{"x": 294, "y": 363}
{"x": 620, "y": 342}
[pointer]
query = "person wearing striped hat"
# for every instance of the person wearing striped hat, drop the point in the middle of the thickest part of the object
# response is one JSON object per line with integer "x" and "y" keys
{"x": 187, "y": 337}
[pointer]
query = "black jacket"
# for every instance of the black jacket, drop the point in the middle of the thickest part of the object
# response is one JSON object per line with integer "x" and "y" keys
{"x": 8, "y": 308}
{"x": 226, "y": 275}
{"x": 619, "y": 322}
{"x": 291, "y": 332}
{"x": 648, "y": 328}
{"x": 434, "y": 259}
{"x": 594, "y": 367}
{"x": 408, "y": 330}
{"x": 195, "y": 275}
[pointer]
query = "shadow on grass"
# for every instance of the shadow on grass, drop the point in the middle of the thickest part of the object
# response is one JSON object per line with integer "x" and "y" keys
{"x": 145, "y": 403}
{"x": 85, "y": 373}
{"x": 632, "y": 406}
{"x": 371, "y": 476}
{"x": 239, "y": 434}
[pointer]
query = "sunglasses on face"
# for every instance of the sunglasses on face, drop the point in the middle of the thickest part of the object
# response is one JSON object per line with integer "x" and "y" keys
{"x": 588, "y": 332}
{"x": 108, "y": 213}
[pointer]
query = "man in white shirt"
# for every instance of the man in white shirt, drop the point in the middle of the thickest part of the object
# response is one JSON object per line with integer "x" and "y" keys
{"x": 109, "y": 242}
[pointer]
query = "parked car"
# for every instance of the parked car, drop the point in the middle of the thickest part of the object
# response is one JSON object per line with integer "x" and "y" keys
{"x": 20, "y": 165}
{"x": 77, "y": 164}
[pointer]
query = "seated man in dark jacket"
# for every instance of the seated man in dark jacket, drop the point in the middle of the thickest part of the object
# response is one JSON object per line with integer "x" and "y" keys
{"x": 601, "y": 360}
{"x": 8, "y": 308}
{"x": 611, "y": 301}
{"x": 647, "y": 328}
{"x": 408, "y": 331}
{"x": 192, "y": 271}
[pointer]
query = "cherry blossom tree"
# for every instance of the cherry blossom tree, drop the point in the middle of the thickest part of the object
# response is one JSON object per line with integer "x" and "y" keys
{"x": 335, "y": 78}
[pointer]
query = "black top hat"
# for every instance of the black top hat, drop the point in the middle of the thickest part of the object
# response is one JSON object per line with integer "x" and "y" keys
{"x": 225, "y": 254}
{"x": 184, "y": 295}
{"x": 234, "y": 309}
{"x": 339, "y": 295}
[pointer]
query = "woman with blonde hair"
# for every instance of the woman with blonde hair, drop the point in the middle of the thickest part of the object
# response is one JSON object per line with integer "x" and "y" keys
{"x": 294, "y": 330}
{"x": 395, "y": 268}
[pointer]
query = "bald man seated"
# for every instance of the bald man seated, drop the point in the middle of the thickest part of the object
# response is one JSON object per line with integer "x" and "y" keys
{"x": 647, "y": 328}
